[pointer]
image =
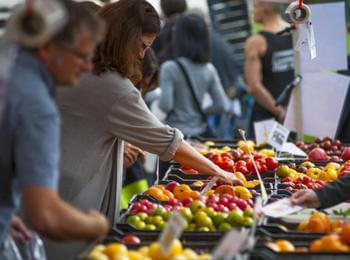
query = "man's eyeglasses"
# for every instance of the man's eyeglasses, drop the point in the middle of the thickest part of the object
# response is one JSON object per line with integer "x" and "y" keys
{"x": 83, "y": 57}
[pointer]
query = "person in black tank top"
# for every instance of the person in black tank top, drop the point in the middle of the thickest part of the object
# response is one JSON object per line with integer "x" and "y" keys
{"x": 269, "y": 65}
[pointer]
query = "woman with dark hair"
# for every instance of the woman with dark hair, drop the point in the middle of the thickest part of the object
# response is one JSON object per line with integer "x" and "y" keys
{"x": 106, "y": 107}
{"x": 191, "y": 50}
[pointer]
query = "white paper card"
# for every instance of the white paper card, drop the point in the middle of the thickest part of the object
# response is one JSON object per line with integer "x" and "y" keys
{"x": 172, "y": 231}
{"x": 278, "y": 136}
{"x": 280, "y": 208}
{"x": 262, "y": 130}
{"x": 230, "y": 245}
{"x": 292, "y": 149}
{"x": 328, "y": 20}
{"x": 321, "y": 104}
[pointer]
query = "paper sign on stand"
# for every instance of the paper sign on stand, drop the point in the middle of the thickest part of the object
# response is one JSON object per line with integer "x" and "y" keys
{"x": 322, "y": 99}
{"x": 230, "y": 245}
{"x": 171, "y": 232}
{"x": 292, "y": 149}
{"x": 262, "y": 130}
{"x": 278, "y": 136}
{"x": 280, "y": 208}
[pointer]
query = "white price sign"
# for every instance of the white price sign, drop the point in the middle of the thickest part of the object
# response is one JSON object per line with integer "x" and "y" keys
{"x": 172, "y": 231}
{"x": 280, "y": 208}
{"x": 278, "y": 136}
{"x": 230, "y": 245}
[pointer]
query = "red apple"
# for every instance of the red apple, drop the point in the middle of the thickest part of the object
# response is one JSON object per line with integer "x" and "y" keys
{"x": 318, "y": 154}
{"x": 187, "y": 201}
{"x": 346, "y": 154}
{"x": 131, "y": 239}
{"x": 171, "y": 185}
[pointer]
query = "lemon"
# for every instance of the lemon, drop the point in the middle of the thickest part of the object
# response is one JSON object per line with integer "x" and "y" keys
{"x": 115, "y": 249}
{"x": 134, "y": 255}
{"x": 96, "y": 255}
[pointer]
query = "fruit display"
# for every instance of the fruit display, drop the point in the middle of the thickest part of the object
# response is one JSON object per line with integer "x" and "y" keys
{"x": 227, "y": 208}
{"x": 212, "y": 213}
{"x": 325, "y": 149}
{"x": 233, "y": 160}
{"x": 118, "y": 251}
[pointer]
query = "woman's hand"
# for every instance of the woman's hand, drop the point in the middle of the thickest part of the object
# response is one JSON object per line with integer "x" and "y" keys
{"x": 19, "y": 231}
{"x": 131, "y": 153}
{"x": 229, "y": 177}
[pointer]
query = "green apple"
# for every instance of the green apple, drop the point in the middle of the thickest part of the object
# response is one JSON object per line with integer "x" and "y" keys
{"x": 167, "y": 215}
{"x": 205, "y": 229}
{"x": 159, "y": 212}
{"x": 236, "y": 218}
{"x": 132, "y": 219}
{"x": 248, "y": 212}
{"x": 142, "y": 215}
{"x": 156, "y": 220}
{"x": 191, "y": 227}
{"x": 247, "y": 221}
{"x": 204, "y": 222}
{"x": 210, "y": 212}
{"x": 196, "y": 206}
{"x": 224, "y": 226}
{"x": 149, "y": 220}
{"x": 161, "y": 225}
{"x": 140, "y": 225}
{"x": 150, "y": 227}
{"x": 219, "y": 218}
{"x": 199, "y": 214}
{"x": 187, "y": 214}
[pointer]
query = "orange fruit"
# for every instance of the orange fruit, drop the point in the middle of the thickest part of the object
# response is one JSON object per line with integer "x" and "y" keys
{"x": 319, "y": 222}
{"x": 195, "y": 195}
{"x": 302, "y": 225}
{"x": 332, "y": 243}
{"x": 179, "y": 190}
{"x": 155, "y": 192}
{"x": 184, "y": 194}
{"x": 273, "y": 246}
{"x": 345, "y": 234}
{"x": 285, "y": 245}
{"x": 169, "y": 194}
{"x": 225, "y": 189}
{"x": 316, "y": 246}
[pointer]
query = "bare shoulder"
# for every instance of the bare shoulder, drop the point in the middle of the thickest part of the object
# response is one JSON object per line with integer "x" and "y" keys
{"x": 255, "y": 44}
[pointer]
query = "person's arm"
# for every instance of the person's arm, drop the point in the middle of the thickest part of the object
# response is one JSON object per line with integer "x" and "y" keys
{"x": 55, "y": 219}
{"x": 36, "y": 156}
{"x": 255, "y": 47}
{"x": 187, "y": 155}
{"x": 217, "y": 94}
{"x": 328, "y": 196}
{"x": 166, "y": 82}
{"x": 131, "y": 120}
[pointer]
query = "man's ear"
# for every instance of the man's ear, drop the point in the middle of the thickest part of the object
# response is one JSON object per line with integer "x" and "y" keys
{"x": 45, "y": 52}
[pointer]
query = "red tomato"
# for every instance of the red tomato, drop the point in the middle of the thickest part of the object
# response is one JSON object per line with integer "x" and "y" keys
{"x": 271, "y": 163}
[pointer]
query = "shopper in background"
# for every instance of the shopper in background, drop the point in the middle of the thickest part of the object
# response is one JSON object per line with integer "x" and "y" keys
{"x": 163, "y": 43}
{"x": 29, "y": 135}
{"x": 136, "y": 181}
{"x": 106, "y": 106}
{"x": 269, "y": 62}
{"x": 328, "y": 196}
{"x": 191, "y": 51}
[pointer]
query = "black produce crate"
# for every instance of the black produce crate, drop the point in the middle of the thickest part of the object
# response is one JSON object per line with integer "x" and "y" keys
{"x": 265, "y": 253}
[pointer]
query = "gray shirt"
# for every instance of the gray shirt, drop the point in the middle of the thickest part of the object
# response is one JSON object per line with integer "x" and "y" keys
{"x": 94, "y": 114}
{"x": 176, "y": 99}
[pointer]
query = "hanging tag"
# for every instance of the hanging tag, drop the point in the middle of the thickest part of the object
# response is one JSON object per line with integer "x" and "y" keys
{"x": 230, "y": 245}
{"x": 209, "y": 186}
{"x": 278, "y": 136}
{"x": 310, "y": 36}
{"x": 171, "y": 232}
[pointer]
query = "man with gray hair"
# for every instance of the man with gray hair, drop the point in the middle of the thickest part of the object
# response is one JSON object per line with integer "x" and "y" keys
{"x": 30, "y": 133}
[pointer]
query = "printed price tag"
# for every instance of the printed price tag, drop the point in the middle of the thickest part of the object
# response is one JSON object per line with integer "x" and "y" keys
{"x": 280, "y": 208}
{"x": 172, "y": 231}
{"x": 209, "y": 186}
{"x": 278, "y": 136}
{"x": 230, "y": 245}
